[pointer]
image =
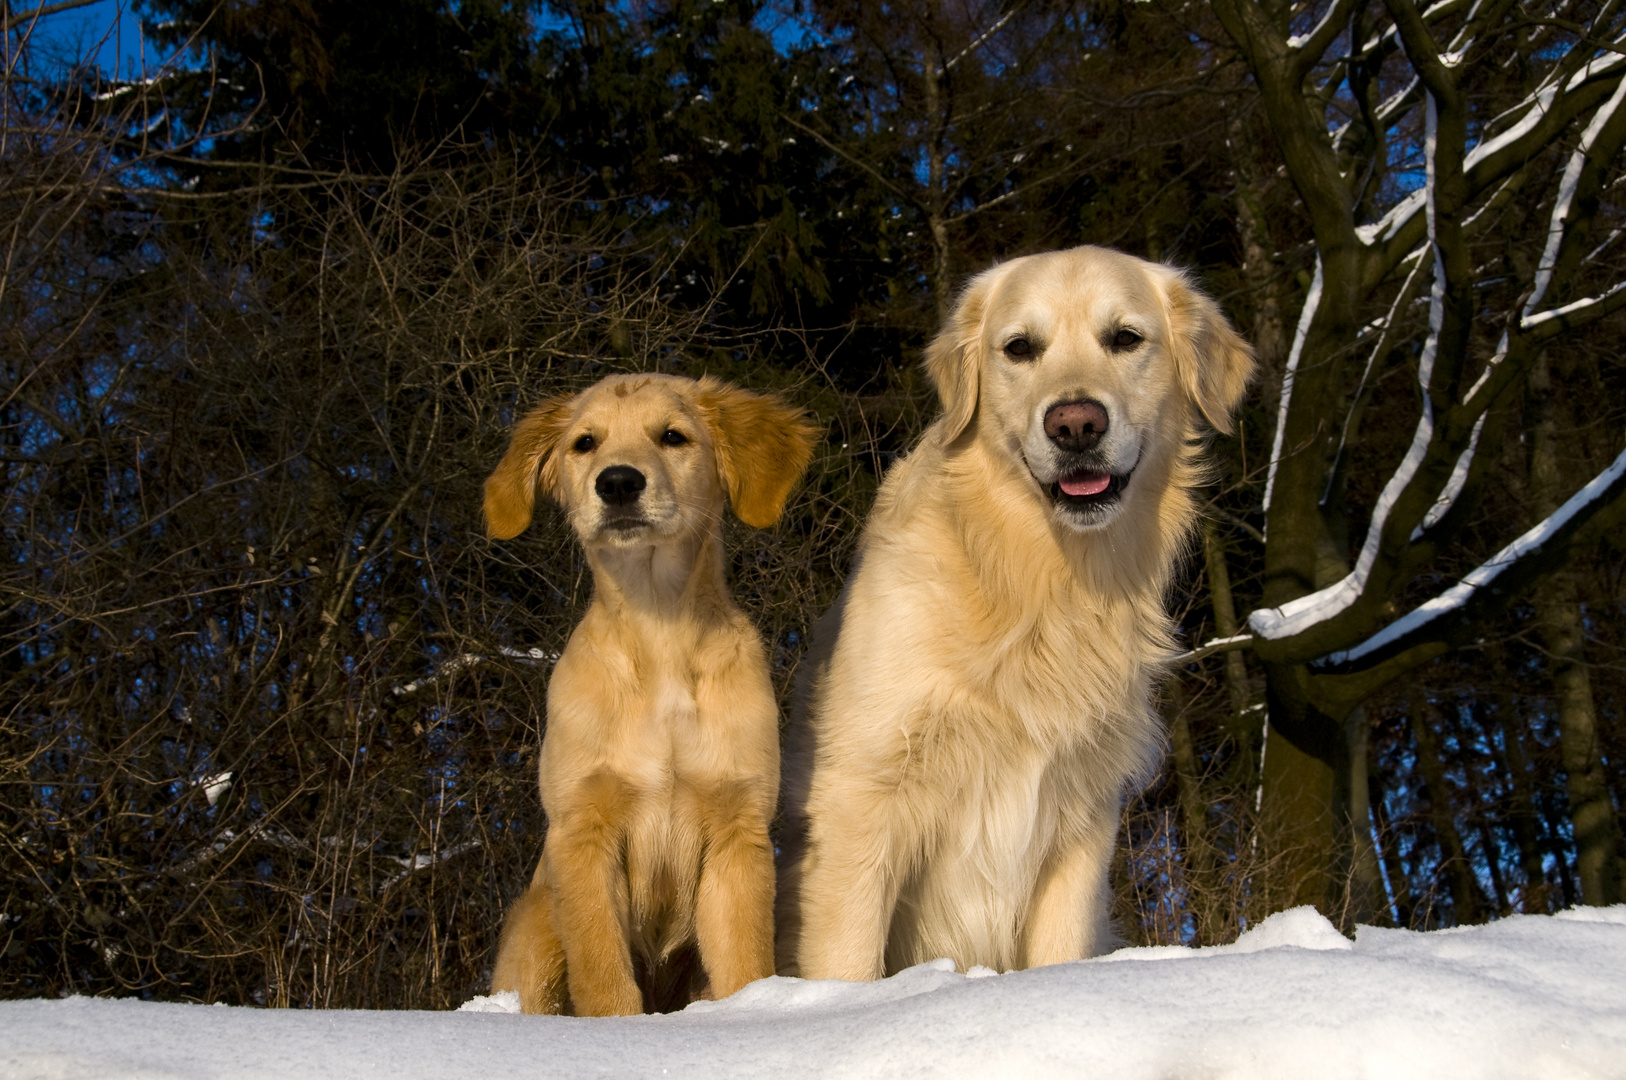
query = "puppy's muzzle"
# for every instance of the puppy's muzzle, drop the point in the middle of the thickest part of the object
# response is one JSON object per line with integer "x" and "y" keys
{"x": 619, "y": 485}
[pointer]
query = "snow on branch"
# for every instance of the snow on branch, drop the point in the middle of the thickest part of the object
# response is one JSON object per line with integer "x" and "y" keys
{"x": 1454, "y": 484}
{"x": 1569, "y": 310}
{"x": 1385, "y": 338}
{"x": 1312, "y": 300}
{"x": 1333, "y": 20}
{"x": 1234, "y": 643}
{"x": 1603, "y": 488}
{"x": 1558, "y": 224}
{"x": 468, "y": 660}
{"x": 413, "y": 863}
{"x": 1299, "y": 615}
{"x": 1534, "y": 110}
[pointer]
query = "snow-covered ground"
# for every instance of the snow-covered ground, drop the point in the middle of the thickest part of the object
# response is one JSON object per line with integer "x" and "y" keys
{"x": 1527, "y": 997}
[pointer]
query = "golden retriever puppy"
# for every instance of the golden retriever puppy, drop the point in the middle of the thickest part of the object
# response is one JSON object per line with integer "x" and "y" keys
{"x": 660, "y": 761}
{"x": 980, "y": 697}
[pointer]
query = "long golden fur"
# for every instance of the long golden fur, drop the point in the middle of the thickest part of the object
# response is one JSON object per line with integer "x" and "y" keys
{"x": 982, "y": 694}
{"x": 660, "y": 763}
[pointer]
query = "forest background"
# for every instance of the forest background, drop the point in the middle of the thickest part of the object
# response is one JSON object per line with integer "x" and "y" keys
{"x": 270, "y": 703}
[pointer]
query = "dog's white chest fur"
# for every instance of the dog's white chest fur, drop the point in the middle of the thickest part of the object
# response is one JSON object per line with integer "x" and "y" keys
{"x": 967, "y": 896}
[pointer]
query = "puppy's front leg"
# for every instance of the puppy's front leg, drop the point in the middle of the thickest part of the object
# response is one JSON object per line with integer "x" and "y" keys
{"x": 734, "y": 909}
{"x": 590, "y": 904}
{"x": 849, "y": 888}
{"x": 530, "y": 959}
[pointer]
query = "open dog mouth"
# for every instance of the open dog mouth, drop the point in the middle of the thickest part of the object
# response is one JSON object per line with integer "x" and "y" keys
{"x": 624, "y": 524}
{"x": 1087, "y": 489}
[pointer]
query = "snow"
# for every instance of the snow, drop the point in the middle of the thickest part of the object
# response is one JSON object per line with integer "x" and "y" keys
{"x": 1454, "y": 484}
{"x": 1334, "y": 12}
{"x": 1566, "y": 195}
{"x": 1526, "y": 997}
{"x": 468, "y": 659}
{"x": 214, "y": 785}
{"x": 1312, "y": 300}
{"x": 1569, "y": 309}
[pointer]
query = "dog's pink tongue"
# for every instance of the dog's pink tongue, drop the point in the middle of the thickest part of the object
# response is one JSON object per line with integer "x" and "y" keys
{"x": 1085, "y": 483}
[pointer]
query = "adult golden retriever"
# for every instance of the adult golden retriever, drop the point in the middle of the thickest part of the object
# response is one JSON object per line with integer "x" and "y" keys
{"x": 982, "y": 694}
{"x": 660, "y": 761}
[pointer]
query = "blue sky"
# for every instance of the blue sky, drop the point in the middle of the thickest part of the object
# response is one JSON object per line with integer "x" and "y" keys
{"x": 113, "y": 31}
{"x": 108, "y": 27}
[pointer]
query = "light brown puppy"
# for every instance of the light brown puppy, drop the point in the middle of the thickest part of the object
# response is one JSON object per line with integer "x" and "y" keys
{"x": 660, "y": 761}
{"x": 981, "y": 696}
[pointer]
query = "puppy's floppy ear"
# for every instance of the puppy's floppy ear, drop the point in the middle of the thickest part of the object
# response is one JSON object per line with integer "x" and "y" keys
{"x": 511, "y": 487}
{"x": 762, "y": 444}
{"x": 954, "y": 358}
{"x": 1214, "y": 364}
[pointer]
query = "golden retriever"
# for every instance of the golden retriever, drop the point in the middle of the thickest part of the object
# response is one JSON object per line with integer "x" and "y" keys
{"x": 660, "y": 761}
{"x": 981, "y": 696}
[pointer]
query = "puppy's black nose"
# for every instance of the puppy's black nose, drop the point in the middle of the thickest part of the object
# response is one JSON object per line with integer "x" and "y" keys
{"x": 1076, "y": 425}
{"x": 619, "y": 485}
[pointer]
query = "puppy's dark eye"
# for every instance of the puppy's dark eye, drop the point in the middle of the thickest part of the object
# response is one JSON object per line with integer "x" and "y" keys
{"x": 584, "y": 445}
{"x": 674, "y": 438}
{"x": 1019, "y": 349}
{"x": 1125, "y": 339}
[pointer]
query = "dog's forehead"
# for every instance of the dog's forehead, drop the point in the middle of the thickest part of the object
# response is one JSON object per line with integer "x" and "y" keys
{"x": 1091, "y": 286}
{"x": 647, "y": 398}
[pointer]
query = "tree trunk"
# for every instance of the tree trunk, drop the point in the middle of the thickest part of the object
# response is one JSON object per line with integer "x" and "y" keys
{"x": 1405, "y": 904}
{"x": 1225, "y": 624}
{"x": 1536, "y": 897}
{"x": 1269, "y": 336}
{"x": 1453, "y": 853}
{"x": 1304, "y": 798}
{"x": 936, "y": 192}
{"x": 1365, "y": 897}
{"x": 1558, "y": 609}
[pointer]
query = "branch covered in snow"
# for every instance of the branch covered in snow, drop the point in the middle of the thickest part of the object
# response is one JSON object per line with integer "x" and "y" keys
{"x": 467, "y": 660}
{"x": 1472, "y": 173}
{"x": 1493, "y": 580}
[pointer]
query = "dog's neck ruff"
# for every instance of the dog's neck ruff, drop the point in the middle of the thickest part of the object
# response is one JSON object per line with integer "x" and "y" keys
{"x": 1128, "y": 557}
{"x": 667, "y": 579}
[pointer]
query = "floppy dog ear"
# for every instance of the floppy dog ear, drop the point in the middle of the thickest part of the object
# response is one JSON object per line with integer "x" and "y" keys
{"x": 762, "y": 444}
{"x": 954, "y": 357}
{"x": 1213, "y": 362}
{"x": 511, "y": 488}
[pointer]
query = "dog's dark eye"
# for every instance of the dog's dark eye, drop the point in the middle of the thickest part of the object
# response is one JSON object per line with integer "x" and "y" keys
{"x": 584, "y": 445}
{"x": 674, "y": 438}
{"x": 1125, "y": 339}
{"x": 1019, "y": 348}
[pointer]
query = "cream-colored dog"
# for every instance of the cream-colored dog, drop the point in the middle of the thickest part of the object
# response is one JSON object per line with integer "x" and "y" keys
{"x": 660, "y": 762}
{"x": 981, "y": 696}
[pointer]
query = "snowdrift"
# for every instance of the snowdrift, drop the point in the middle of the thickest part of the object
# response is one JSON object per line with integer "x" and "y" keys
{"x": 1527, "y": 997}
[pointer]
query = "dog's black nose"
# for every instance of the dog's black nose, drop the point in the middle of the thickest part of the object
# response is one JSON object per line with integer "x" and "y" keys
{"x": 1076, "y": 425}
{"x": 619, "y": 485}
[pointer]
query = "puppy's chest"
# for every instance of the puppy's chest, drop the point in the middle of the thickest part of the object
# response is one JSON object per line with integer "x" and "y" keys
{"x": 664, "y": 732}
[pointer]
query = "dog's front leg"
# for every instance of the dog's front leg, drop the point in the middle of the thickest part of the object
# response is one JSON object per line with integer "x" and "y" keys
{"x": 530, "y": 959}
{"x": 1067, "y": 919}
{"x": 590, "y": 902}
{"x": 734, "y": 908}
{"x": 849, "y": 888}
